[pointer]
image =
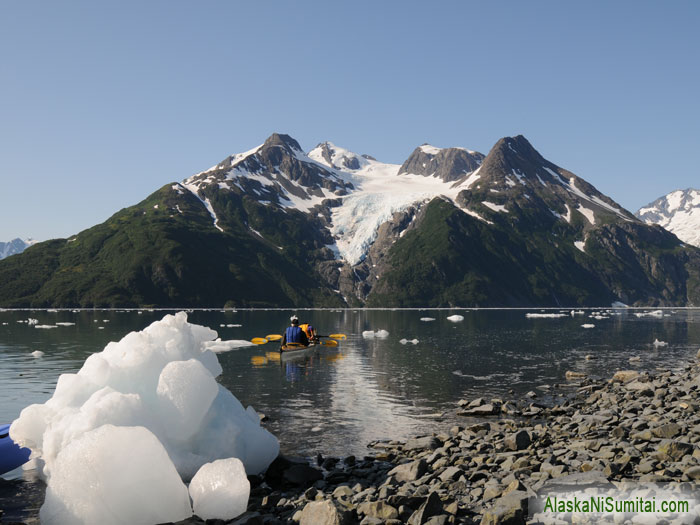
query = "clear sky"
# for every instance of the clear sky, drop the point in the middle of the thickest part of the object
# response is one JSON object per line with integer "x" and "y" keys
{"x": 102, "y": 103}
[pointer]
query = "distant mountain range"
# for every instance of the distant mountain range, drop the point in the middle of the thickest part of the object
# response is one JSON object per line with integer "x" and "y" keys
{"x": 14, "y": 246}
{"x": 678, "y": 212}
{"x": 275, "y": 226}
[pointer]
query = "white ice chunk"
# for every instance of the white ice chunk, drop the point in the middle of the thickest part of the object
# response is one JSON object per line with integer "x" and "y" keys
{"x": 186, "y": 390}
{"x": 658, "y": 343}
{"x": 655, "y": 313}
{"x": 37, "y": 353}
{"x": 115, "y": 475}
{"x": 455, "y": 318}
{"x": 531, "y": 315}
{"x": 379, "y": 334}
{"x": 587, "y": 325}
{"x": 162, "y": 379}
{"x": 219, "y": 346}
{"x": 427, "y": 319}
{"x": 220, "y": 490}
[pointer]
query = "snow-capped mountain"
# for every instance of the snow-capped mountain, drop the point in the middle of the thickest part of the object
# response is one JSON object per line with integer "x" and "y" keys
{"x": 362, "y": 193}
{"x": 278, "y": 226}
{"x": 678, "y": 212}
{"x": 14, "y": 246}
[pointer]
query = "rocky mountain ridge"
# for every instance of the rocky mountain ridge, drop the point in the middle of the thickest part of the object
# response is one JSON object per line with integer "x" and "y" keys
{"x": 275, "y": 226}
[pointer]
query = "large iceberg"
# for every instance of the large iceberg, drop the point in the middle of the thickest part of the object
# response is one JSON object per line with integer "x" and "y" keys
{"x": 153, "y": 388}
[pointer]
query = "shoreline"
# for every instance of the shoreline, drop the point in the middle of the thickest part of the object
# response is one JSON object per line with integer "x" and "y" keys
{"x": 639, "y": 426}
{"x": 635, "y": 427}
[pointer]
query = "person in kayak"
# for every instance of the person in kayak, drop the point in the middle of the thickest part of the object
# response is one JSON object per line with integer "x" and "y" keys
{"x": 294, "y": 333}
{"x": 310, "y": 332}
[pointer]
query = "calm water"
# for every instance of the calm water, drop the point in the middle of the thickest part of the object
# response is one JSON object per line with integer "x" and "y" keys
{"x": 335, "y": 400}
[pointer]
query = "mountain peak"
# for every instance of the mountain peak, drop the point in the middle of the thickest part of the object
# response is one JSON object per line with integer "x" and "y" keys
{"x": 678, "y": 212}
{"x": 448, "y": 164}
{"x": 280, "y": 139}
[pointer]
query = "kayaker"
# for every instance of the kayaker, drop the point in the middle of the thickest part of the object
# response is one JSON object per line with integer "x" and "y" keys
{"x": 294, "y": 333}
{"x": 309, "y": 331}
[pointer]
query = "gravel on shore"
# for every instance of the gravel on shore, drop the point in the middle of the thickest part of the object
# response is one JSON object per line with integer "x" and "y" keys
{"x": 631, "y": 430}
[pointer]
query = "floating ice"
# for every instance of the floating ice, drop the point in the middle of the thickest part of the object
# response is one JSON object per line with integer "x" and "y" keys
{"x": 220, "y": 490}
{"x": 161, "y": 382}
{"x": 427, "y": 319}
{"x": 31, "y": 321}
{"x": 37, "y": 353}
{"x": 658, "y": 343}
{"x": 113, "y": 475}
{"x": 379, "y": 334}
{"x": 412, "y": 341}
{"x": 655, "y": 313}
{"x": 45, "y": 326}
{"x": 455, "y": 318}
{"x": 530, "y": 315}
{"x": 65, "y": 324}
{"x": 588, "y": 325}
{"x": 220, "y": 346}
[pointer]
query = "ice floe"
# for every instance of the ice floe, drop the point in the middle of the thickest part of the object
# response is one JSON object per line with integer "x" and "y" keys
{"x": 117, "y": 440}
{"x": 455, "y": 318}
{"x": 379, "y": 334}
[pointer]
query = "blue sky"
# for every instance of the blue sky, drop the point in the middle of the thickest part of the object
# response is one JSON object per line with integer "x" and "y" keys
{"x": 102, "y": 103}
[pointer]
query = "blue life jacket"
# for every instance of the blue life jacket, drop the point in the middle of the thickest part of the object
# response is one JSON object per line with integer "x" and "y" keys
{"x": 294, "y": 334}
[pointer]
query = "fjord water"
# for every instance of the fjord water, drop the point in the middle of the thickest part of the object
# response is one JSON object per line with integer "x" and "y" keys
{"x": 334, "y": 400}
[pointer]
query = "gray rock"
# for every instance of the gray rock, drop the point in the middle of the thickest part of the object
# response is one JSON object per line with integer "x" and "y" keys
{"x": 432, "y": 506}
{"x": 409, "y": 471}
{"x": 440, "y": 519}
{"x": 378, "y": 509}
{"x": 450, "y": 473}
{"x": 518, "y": 441}
{"x": 667, "y": 431}
{"x": 325, "y": 512}
{"x": 693, "y": 473}
{"x": 483, "y": 410}
{"x": 427, "y": 442}
{"x": 577, "y": 480}
{"x": 343, "y": 491}
{"x": 508, "y": 510}
{"x": 625, "y": 375}
{"x": 674, "y": 450}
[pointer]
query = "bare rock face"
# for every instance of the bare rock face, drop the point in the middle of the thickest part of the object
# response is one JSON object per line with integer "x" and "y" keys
{"x": 449, "y": 164}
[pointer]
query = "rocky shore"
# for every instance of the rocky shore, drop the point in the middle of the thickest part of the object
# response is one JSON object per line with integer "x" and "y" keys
{"x": 625, "y": 431}
{"x": 502, "y": 456}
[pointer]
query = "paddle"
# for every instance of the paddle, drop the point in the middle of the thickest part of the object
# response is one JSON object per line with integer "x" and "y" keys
{"x": 334, "y": 336}
{"x": 277, "y": 337}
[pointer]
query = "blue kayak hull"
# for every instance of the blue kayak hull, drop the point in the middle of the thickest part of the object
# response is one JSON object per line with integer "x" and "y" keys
{"x": 11, "y": 454}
